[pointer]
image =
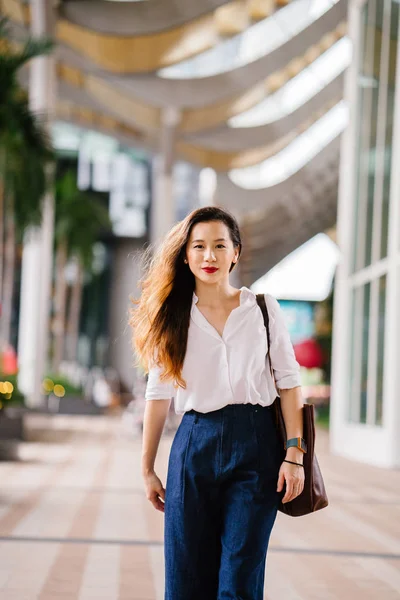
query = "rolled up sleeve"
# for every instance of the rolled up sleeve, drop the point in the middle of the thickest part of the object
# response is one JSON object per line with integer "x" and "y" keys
{"x": 283, "y": 360}
{"x": 156, "y": 389}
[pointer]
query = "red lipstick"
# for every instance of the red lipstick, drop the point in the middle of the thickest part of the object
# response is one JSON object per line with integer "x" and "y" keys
{"x": 210, "y": 269}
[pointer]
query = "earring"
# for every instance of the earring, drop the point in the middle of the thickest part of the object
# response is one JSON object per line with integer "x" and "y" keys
{"x": 185, "y": 261}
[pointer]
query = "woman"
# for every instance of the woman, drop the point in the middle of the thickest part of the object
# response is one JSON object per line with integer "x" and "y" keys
{"x": 205, "y": 344}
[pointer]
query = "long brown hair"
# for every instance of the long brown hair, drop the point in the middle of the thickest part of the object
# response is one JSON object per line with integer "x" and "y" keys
{"x": 160, "y": 320}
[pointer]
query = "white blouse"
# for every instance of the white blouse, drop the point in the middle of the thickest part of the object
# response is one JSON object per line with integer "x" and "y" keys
{"x": 231, "y": 369}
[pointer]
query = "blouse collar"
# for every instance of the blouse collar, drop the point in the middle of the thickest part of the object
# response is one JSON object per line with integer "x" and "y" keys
{"x": 247, "y": 299}
{"x": 246, "y": 296}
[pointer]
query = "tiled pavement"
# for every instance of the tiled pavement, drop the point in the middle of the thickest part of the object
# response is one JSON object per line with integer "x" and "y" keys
{"x": 75, "y": 524}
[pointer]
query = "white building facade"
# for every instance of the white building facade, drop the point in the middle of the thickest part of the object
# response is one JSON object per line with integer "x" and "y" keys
{"x": 365, "y": 409}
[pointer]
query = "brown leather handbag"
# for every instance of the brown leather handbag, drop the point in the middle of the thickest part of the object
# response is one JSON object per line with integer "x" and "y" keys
{"x": 313, "y": 496}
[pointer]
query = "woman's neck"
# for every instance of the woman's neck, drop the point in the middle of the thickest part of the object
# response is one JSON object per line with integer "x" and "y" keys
{"x": 214, "y": 295}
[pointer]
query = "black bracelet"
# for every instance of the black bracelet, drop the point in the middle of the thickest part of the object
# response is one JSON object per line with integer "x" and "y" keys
{"x": 294, "y": 463}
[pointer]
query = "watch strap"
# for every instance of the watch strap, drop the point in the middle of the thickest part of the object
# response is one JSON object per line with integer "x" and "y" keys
{"x": 297, "y": 442}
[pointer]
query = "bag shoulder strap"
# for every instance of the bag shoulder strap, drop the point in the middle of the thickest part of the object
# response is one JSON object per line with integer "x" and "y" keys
{"x": 263, "y": 306}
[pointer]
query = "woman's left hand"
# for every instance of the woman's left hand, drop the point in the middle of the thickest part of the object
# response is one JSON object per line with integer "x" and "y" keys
{"x": 293, "y": 476}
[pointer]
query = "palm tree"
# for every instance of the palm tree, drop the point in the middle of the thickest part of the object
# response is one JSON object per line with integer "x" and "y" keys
{"x": 80, "y": 219}
{"x": 74, "y": 312}
{"x": 25, "y": 185}
{"x": 24, "y": 152}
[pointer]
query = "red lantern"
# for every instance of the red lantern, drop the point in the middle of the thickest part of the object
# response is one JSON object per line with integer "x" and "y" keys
{"x": 309, "y": 354}
{"x": 9, "y": 362}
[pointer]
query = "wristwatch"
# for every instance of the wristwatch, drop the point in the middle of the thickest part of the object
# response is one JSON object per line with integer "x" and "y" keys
{"x": 296, "y": 443}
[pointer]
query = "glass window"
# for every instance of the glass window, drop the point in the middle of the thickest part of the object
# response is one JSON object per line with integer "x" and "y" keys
{"x": 365, "y": 352}
{"x": 375, "y": 102}
{"x": 376, "y": 80}
{"x": 355, "y": 345}
{"x": 381, "y": 349}
{"x": 358, "y": 376}
{"x": 394, "y": 34}
{"x": 386, "y": 196}
{"x": 368, "y": 84}
{"x": 351, "y": 366}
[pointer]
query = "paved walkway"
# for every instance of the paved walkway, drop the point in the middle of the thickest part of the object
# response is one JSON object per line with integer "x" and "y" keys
{"x": 75, "y": 524}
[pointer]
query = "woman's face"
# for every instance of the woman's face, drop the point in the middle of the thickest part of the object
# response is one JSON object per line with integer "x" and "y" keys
{"x": 210, "y": 251}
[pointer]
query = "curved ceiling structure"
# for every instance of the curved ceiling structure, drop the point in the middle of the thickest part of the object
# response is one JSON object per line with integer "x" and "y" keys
{"x": 139, "y": 54}
{"x": 224, "y": 160}
{"x": 145, "y": 52}
{"x": 197, "y": 92}
{"x": 242, "y": 138}
{"x": 257, "y": 92}
{"x": 306, "y": 207}
{"x": 289, "y": 233}
{"x": 135, "y": 18}
{"x": 303, "y": 150}
{"x": 253, "y": 43}
{"x": 68, "y": 112}
{"x": 82, "y": 49}
{"x": 320, "y": 71}
{"x": 316, "y": 175}
{"x": 194, "y": 120}
{"x": 76, "y": 101}
{"x": 231, "y": 195}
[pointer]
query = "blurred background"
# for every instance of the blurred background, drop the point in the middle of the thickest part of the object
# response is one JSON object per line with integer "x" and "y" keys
{"x": 117, "y": 118}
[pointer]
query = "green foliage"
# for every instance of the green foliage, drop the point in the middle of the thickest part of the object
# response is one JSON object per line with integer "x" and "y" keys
{"x": 17, "y": 397}
{"x": 11, "y": 61}
{"x": 322, "y": 416}
{"x": 70, "y": 388}
{"x": 80, "y": 218}
{"x": 25, "y": 147}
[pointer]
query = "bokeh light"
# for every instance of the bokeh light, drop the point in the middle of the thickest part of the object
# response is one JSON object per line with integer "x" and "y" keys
{"x": 48, "y": 385}
{"x": 59, "y": 391}
{"x": 8, "y": 387}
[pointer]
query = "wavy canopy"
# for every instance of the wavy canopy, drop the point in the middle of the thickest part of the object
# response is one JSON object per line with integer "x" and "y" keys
{"x": 256, "y": 87}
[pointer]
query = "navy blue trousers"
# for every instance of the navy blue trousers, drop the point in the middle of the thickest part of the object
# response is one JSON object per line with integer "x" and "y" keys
{"x": 221, "y": 503}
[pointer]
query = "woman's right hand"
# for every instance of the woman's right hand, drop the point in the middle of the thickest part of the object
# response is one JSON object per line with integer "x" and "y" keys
{"x": 154, "y": 490}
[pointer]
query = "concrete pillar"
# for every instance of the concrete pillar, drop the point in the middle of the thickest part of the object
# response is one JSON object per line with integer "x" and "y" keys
{"x": 163, "y": 205}
{"x": 38, "y": 244}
